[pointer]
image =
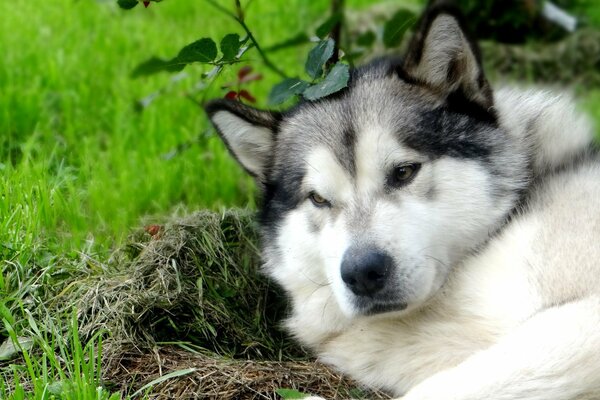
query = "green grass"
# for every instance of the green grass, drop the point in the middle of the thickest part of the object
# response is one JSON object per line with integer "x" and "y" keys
{"x": 80, "y": 166}
{"x": 59, "y": 367}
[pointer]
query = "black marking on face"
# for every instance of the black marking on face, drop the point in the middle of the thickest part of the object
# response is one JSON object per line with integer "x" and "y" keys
{"x": 281, "y": 194}
{"x": 459, "y": 103}
{"x": 348, "y": 158}
{"x": 441, "y": 132}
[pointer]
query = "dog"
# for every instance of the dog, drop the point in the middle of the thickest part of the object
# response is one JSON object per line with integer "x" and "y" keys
{"x": 438, "y": 239}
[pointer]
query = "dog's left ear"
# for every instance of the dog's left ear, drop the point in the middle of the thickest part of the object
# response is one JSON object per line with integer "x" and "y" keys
{"x": 442, "y": 56}
{"x": 248, "y": 133}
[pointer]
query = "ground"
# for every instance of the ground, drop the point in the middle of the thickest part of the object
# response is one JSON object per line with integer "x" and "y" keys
{"x": 83, "y": 164}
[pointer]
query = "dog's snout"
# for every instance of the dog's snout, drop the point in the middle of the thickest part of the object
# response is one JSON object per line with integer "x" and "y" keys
{"x": 366, "y": 271}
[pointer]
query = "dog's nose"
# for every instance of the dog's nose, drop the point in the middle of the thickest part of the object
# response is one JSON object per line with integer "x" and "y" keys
{"x": 366, "y": 271}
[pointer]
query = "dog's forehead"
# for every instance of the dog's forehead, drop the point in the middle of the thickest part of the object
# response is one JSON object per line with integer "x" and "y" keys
{"x": 372, "y": 105}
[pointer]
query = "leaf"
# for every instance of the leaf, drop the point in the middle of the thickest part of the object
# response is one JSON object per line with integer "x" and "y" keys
{"x": 299, "y": 39}
{"x": 203, "y": 50}
{"x": 127, "y": 4}
{"x": 245, "y": 70}
{"x": 244, "y": 94}
{"x": 318, "y": 56}
{"x": 230, "y": 46}
{"x": 174, "y": 374}
{"x": 325, "y": 28}
{"x": 290, "y": 394}
{"x": 154, "y": 65}
{"x": 8, "y": 350}
{"x": 336, "y": 80}
{"x": 395, "y": 28}
{"x": 231, "y": 95}
{"x": 286, "y": 89}
{"x": 56, "y": 388}
{"x": 366, "y": 39}
{"x": 251, "y": 77}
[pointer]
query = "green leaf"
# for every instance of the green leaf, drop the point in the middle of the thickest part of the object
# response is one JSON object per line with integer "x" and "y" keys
{"x": 155, "y": 64}
{"x": 290, "y": 394}
{"x": 336, "y": 80}
{"x": 56, "y": 388}
{"x": 297, "y": 40}
{"x": 203, "y": 50}
{"x": 127, "y": 4}
{"x": 9, "y": 350}
{"x": 286, "y": 89}
{"x": 325, "y": 28}
{"x": 230, "y": 46}
{"x": 170, "y": 375}
{"x": 366, "y": 39}
{"x": 396, "y": 27}
{"x": 318, "y": 56}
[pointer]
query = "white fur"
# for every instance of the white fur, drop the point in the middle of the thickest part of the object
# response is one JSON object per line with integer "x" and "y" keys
{"x": 496, "y": 309}
{"x": 518, "y": 320}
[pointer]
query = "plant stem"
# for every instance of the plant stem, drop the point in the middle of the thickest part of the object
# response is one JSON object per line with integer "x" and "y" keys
{"x": 240, "y": 21}
{"x": 337, "y": 7}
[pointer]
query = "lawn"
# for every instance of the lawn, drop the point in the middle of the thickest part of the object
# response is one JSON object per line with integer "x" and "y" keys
{"x": 82, "y": 164}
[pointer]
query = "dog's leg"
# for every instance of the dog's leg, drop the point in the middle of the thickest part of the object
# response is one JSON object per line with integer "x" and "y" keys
{"x": 555, "y": 355}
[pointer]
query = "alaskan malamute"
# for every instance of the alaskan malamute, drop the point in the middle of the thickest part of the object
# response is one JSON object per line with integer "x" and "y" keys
{"x": 438, "y": 240}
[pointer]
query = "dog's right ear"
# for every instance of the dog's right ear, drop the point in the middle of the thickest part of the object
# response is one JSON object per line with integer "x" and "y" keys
{"x": 443, "y": 56}
{"x": 248, "y": 133}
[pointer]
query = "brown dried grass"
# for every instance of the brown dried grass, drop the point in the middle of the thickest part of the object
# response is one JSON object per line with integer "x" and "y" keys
{"x": 188, "y": 294}
{"x": 225, "y": 379}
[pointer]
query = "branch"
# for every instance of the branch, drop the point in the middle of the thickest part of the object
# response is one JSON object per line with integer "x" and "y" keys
{"x": 239, "y": 19}
{"x": 337, "y": 7}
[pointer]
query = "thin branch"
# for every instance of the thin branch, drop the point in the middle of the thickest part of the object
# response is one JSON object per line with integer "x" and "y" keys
{"x": 240, "y": 21}
{"x": 337, "y": 7}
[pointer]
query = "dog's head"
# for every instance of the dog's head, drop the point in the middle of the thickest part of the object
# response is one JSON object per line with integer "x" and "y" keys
{"x": 371, "y": 196}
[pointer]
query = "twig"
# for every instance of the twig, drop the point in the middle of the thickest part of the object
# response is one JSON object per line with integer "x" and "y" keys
{"x": 239, "y": 19}
{"x": 337, "y": 7}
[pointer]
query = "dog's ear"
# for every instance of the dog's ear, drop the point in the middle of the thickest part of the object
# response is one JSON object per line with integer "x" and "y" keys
{"x": 442, "y": 56}
{"x": 248, "y": 133}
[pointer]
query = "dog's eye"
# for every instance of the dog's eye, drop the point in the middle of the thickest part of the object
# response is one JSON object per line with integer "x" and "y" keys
{"x": 402, "y": 174}
{"x": 318, "y": 200}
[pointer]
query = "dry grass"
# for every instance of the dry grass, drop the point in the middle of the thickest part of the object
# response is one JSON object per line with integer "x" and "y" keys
{"x": 196, "y": 280}
{"x": 188, "y": 294}
{"x": 224, "y": 379}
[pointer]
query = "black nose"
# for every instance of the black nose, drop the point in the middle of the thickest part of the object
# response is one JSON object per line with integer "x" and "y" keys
{"x": 366, "y": 271}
